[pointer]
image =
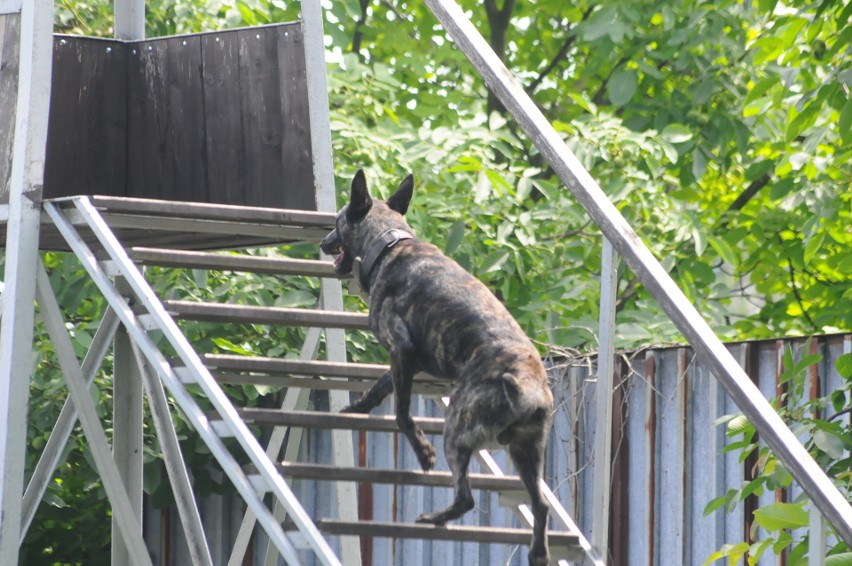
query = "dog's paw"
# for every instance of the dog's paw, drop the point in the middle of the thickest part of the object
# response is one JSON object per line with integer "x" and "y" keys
{"x": 427, "y": 456}
{"x": 432, "y": 519}
{"x": 355, "y": 407}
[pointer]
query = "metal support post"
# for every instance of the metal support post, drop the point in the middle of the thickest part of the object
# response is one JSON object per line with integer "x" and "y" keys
{"x": 603, "y": 403}
{"x": 129, "y": 527}
{"x": 52, "y": 453}
{"x": 127, "y": 432}
{"x": 16, "y": 327}
{"x": 190, "y": 518}
{"x": 130, "y": 19}
{"x": 650, "y": 272}
{"x": 294, "y": 400}
{"x": 331, "y": 291}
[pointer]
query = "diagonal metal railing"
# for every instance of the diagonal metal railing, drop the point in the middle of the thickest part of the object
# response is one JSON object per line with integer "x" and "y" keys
{"x": 650, "y": 272}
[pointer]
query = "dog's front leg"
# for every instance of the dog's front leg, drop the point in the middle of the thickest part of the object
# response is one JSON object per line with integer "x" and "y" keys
{"x": 402, "y": 369}
{"x": 374, "y": 397}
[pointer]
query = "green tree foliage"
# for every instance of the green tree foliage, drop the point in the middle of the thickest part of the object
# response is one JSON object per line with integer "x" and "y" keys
{"x": 721, "y": 130}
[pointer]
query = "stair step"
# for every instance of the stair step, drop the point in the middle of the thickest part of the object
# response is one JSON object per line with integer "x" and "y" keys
{"x": 220, "y": 212}
{"x": 247, "y": 314}
{"x": 232, "y": 262}
{"x": 317, "y": 368}
{"x": 324, "y": 420}
{"x": 397, "y": 477}
{"x": 450, "y": 532}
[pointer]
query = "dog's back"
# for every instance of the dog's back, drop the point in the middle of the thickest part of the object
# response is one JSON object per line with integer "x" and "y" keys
{"x": 459, "y": 330}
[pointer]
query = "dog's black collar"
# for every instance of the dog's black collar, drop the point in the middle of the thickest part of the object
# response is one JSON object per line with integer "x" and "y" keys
{"x": 377, "y": 248}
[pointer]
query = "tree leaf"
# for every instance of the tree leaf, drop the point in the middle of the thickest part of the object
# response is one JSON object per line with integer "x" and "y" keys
{"x": 829, "y": 443}
{"x": 777, "y": 516}
{"x": 676, "y": 133}
{"x": 724, "y": 250}
{"x": 844, "y": 125}
{"x": 621, "y": 87}
{"x": 455, "y": 237}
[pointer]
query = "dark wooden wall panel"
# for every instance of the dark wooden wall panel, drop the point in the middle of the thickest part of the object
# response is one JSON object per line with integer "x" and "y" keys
{"x": 261, "y": 115}
{"x": 165, "y": 137}
{"x": 218, "y": 117}
{"x": 297, "y": 182}
{"x": 10, "y": 32}
{"x": 224, "y": 130}
{"x": 86, "y": 146}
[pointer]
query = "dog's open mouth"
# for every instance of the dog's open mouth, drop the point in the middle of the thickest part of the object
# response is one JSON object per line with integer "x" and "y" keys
{"x": 338, "y": 257}
{"x": 342, "y": 261}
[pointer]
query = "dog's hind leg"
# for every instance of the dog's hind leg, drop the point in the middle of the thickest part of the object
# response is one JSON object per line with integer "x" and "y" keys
{"x": 374, "y": 397}
{"x": 526, "y": 449}
{"x": 458, "y": 458}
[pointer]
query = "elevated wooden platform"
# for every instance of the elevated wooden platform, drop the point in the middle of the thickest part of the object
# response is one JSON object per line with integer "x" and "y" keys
{"x": 168, "y": 225}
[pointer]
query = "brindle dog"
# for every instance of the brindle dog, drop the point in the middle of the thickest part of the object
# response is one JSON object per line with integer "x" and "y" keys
{"x": 434, "y": 317}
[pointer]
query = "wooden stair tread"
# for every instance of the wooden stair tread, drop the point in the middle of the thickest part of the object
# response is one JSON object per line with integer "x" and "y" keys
{"x": 449, "y": 532}
{"x": 320, "y": 419}
{"x": 325, "y": 472}
{"x": 249, "y": 314}
{"x": 230, "y": 362}
{"x": 220, "y": 212}
{"x": 231, "y": 262}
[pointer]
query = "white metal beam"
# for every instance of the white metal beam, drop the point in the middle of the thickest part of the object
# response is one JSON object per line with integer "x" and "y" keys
{"x": 331, "y": 290}
{"x": 52, "y": 453}
{"x": 196, "y": 540}
{"x": 127, "y": 431}
{"x": 129, "y": 526}
{"x": 650, "y": 272}
{"x": 130, "y": 19}
{"x": 603, "y": 402}
{"x": 16, "y": 326}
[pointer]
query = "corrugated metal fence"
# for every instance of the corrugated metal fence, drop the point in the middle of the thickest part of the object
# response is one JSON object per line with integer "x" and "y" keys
{"x": 667, "y": 466}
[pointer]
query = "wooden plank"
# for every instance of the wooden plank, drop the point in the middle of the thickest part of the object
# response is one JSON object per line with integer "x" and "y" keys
{"x": 165, "y": 115}
{"x": 323, "y": 420}
{"x": 223, "y": 133}
{"x": 86, "y": 150}
{"x": 433, "y": 388}
{"x": 10, "y": 31}
{"x": 145, "y": 130}
{"x": 246, "y": 314}
{"x": 186, "y": 152}
{"x": 296, "y": 127}
{"x": 446, "y": 532}
{"x": 214, "y": 211}
{"x": 260, "y": 113}
{"x": 299, "y": 367}
{"x": 266, "y": 232}
{"x": 231, "y": 262}
{"x": 432, "y": 478}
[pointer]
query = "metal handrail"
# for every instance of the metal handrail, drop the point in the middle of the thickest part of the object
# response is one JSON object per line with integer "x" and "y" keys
{"x": 650, "y": 272}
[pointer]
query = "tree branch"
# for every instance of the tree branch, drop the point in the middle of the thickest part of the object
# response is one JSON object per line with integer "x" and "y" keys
{"x": 358, "y": 35}
{"x": 749, "y": 193}
{"x": 570, "y": 38}
{"x": 498, "y": 23}
{"x": 796, "y": 294}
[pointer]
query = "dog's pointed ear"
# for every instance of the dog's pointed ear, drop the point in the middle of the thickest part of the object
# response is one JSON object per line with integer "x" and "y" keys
{"x": 359, "y": 201}
{"x": 402, "y": 197}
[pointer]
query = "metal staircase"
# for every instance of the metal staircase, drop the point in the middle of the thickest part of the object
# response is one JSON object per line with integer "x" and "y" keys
{"x": 96, "y": 229}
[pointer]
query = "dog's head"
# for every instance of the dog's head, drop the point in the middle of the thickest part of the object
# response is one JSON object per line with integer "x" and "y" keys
{"x": 363, "y": 220}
